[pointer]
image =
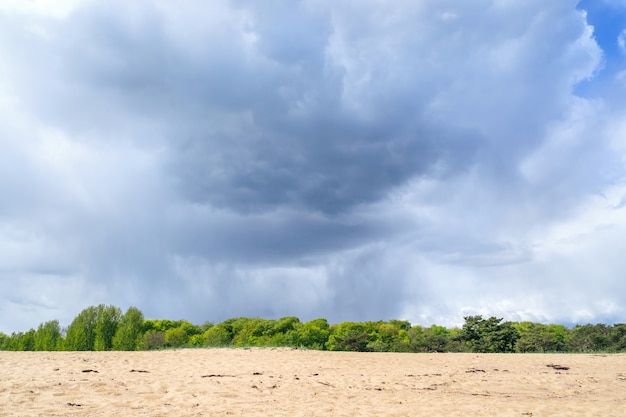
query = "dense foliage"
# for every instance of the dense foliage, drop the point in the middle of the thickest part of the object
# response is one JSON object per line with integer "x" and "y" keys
{"x": 106, "y": 328}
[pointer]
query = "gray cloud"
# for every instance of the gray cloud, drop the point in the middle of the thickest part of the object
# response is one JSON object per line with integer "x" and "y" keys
{"x": 351, "y": 161}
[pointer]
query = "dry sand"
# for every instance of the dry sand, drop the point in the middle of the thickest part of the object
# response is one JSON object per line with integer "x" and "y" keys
{"x": 289, "y": 382}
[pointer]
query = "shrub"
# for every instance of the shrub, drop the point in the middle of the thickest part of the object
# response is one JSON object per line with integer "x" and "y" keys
{"x": 153, "y": 339}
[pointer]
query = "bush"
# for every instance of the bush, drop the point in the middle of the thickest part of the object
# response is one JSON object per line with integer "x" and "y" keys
{"x": 153, "y": 339}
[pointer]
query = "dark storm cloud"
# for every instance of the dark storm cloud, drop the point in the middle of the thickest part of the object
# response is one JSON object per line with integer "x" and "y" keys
{"x": 265, "y": 238}
{"x": 328, "y": 167}
{"x": 249, "y": 124}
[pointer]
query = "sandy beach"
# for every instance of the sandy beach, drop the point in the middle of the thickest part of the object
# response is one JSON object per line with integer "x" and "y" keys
{"x": 292, "y": 382}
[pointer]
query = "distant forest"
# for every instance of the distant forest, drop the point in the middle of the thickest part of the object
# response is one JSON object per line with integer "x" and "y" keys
{"x": 104, "y": 328}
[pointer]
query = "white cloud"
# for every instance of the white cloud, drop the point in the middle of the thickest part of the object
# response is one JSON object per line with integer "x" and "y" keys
{"x": 57, "y": 9}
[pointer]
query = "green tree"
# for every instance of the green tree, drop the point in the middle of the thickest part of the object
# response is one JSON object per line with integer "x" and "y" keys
{"x": 189, "y": 328}
{"x": 160, "y": 325}
{"x": 389, "y": 336}
{"x": 93, "y": 329}
{"x": 618, "y": 338}
{"x": 314, "y": 334}
{"x": 401, "y": 324}
{"x": 25, "y": 341}
{"x": 217, "y": 336}
{"x": 284, "y": 325}
{"x": 197, "y": 340}
{"x": 129, "y": 331}
{"x": 176, "y": 337}
{"x": 489, "y": 335}
{"x": 80, "y": 335}
{"x": 20, "y": 341}
{"x": 430, "y": 339}
{"x": 283, "y": 332}
{"x": 348, "y": 336}
{"x": 590, "y": 338}
{"x": 252, "y": 332}
{"x": 107, "y": 320}
{"x": 206, "y": 326}
{"x": 560, "y": 337}
{"x": 48, "y": 336}
{"x": 536, "y": 337}
{"x": 10, "y": 342}
{"x": 455, "y": 343}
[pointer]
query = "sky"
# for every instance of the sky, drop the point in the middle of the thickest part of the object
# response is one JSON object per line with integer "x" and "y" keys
{"x": 366, "y": 160}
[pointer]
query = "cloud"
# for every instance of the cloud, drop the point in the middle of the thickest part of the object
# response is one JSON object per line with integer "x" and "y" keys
{"x": 56, "y": 9}
{"x": 351, "y": 161}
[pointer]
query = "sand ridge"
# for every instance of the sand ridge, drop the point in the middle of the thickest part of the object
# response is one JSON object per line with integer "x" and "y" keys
{"x": 293, "y": 382}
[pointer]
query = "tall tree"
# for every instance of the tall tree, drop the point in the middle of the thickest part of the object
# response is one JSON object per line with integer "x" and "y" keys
{"x": 107, "y": 321}
{"x": 129, "y": 331}
{"x": 48, "y": 336}
{"x": 80, "y": 334}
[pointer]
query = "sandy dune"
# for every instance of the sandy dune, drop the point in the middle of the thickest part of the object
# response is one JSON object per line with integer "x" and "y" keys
{"x": 270, "y": 382}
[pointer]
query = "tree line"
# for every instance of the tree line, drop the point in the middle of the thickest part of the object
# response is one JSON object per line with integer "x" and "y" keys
{"x": 103, "y": 328}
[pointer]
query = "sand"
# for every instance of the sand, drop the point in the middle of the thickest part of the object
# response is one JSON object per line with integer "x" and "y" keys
{"x": 292, "y": 382}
